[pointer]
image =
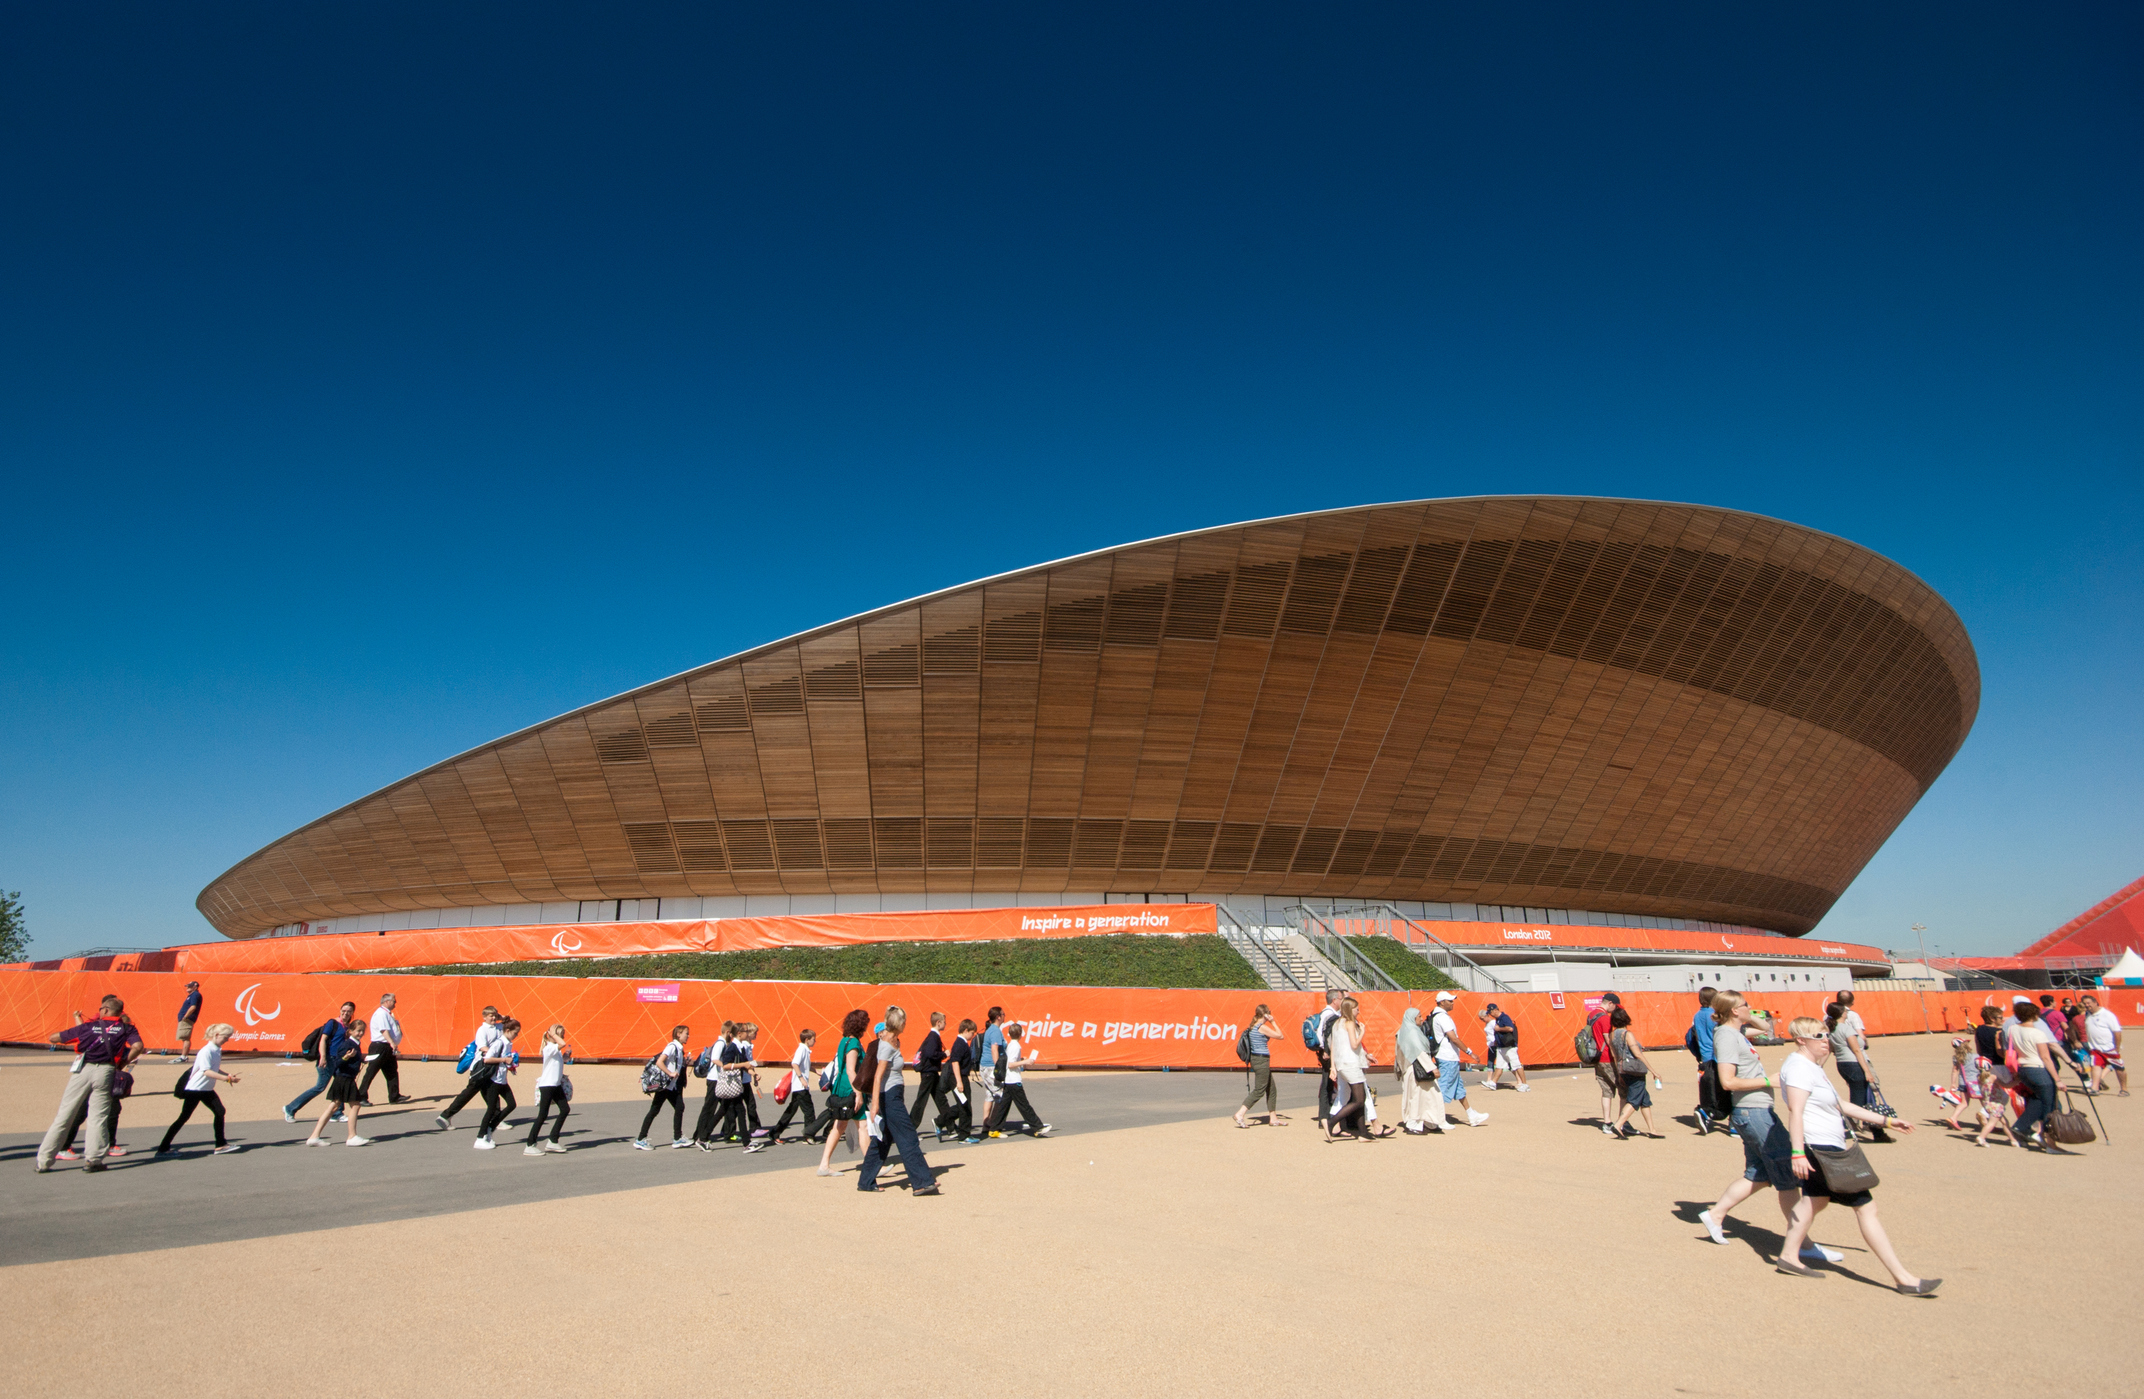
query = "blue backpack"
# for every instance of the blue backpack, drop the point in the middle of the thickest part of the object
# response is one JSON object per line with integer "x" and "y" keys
{"x": 468, "y": 1059}
{"x": 705, "y": 1064}
{"x": 1311, "y": 1041}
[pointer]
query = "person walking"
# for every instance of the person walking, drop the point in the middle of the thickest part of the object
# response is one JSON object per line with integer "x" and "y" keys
{"x": 841, "y": 1089}
{"x": 1849, "y": 1049}
{"x": 958, "y": 1119}
{"x": 1327, "y": 1085}
{"x": 799, "y": 1094}
{"x": 2034, "y": 1049}
{"x": 1500, "y": 1034}
{"x": 189, "y": 1009}
{"x": 553, "y": 1090}
{"x": 1767, "y": 1146}
{"x": 1711, "y": 1106}
{"x": 1632, "y": 1068}
{"x": 890, "y": 1124}
{"x": 664, "y": 1081}
{"x": 2103, "y": 1040}
{"x": 485, "y": 1043}
{"x": 1350, "y": 1078}
{"x": 493, "y": 1085}
{"x": 122, "y": 1088}
{"x": 748, "y": 1104}
{"x": 930, "y": 1067}
{"x": 1604, "y": 1075}
{"x": 104, "y": 1046}
{"x": 1012, "y": 1092}
{"x": 1415, "y": 1066}
{"x": 1816, "y": 1123}
{"x": 327, "y": 1040}
{"x": 730, "y": 1088}
{"x": 1444, "y": 1033}
{"x": 200, "y": 1090}
{"x": 345, "y": 1053}
{"x": 1263, "y": 1030}
{"x": 713, "y": 1107}
{"x": 380, "y": 1060}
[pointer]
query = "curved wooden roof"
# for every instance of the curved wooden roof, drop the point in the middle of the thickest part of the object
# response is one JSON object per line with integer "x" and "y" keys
{"x": 1626, "y": 706}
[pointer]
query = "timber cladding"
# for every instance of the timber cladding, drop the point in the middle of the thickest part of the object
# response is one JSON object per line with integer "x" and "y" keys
{"x": 1628, "y": 706}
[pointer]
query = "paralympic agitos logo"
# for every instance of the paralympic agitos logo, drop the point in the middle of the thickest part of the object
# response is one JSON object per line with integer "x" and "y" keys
{"x": 247, "y": 1009}
{"x": 559, "y": 940}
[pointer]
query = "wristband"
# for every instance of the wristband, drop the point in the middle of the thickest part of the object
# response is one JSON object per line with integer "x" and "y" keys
{"x": 1801, "y": 1153}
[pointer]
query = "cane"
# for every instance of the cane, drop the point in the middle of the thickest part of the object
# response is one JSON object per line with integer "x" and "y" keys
{"x": 2093, "y": 1099}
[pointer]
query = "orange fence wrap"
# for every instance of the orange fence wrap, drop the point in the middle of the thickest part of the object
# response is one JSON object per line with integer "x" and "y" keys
{"x": 346, "y": 952}
{"x": 1534, "y": 937}
{"x": 617, "y": 1018}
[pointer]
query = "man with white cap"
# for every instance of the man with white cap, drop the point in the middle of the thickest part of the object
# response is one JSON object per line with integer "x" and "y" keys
{"x": 1445, "y": 1032}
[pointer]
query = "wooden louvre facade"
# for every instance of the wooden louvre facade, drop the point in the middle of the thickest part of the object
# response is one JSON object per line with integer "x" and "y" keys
{"x": 1655, "y": 709}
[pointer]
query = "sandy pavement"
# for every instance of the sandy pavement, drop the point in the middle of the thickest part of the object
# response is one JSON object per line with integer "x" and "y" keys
{"x": 1525, "y": 1255}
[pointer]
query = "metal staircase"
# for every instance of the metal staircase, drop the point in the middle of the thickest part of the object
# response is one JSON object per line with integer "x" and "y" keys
{"x": 1281, "y": 965}
{"x": 1357, "y": 971}
{"x": 1453, "y": 962}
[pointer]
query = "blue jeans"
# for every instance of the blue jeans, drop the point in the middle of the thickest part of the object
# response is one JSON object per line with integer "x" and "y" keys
{"x": 2038, "y": 1086}
{"x": 1767, "y": 1149}
{"x": 903, "y": 1133}
{"x": 1449, "y": 1083}
{"x": 323, "y": 1076}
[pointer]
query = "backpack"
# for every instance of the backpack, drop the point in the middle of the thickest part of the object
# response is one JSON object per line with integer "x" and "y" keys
{"x": 1689, "y": 1041}
{"x": 1589, "y": 1050}
{"x": 1507, "y": 1036}
{"x": 1312, "y": 1041}
{"x": 705, "y": 1064}
{"x": 468, "y": 1060}
{"x": 652, "y": 1077}
{"x": 1243, "y": 1046}
{"x": 310, "y": 1045}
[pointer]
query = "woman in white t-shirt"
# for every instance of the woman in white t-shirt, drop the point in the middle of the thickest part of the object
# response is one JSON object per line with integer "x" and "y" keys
{"x": 1351, "y": 1087}
{"x": 201, "y": 1081}
{"x": 2034, "y": 1045}
{"x": 1816, "y": 1121}
{"x": 553, "y": 1090}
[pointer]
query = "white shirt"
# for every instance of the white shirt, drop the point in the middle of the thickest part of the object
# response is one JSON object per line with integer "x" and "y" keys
{"x": 1445, "y": 1031}
{"x": 1012, "y": 1060}
{"x": 2024, "y": 1036}
{"x": 800, "y": 1065}
{"x": 386, "y": 1027}
{"x": 1348, "y": 1061}
{"x": 491, "y": 1041}
{"x": 1326, "y": 1018}
{"x": 1822, "y": 1122}
{"x": 554, "y": 1065}
{"x": 2100, "y": 1028}
{"x": 208, "y": 1060}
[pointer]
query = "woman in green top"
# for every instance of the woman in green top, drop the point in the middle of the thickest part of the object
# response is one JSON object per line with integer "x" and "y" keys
{"x": 841, "y": 1101}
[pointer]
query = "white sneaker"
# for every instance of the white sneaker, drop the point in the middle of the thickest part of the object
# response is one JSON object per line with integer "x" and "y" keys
{"x": 1817, "y": 1253}
{"x": 1044, "y": 1130}
{"x": 482, "y": 1144}
{"x": 289, "y": 1116}
{"x": 756, "y": 1146}
{"x": 681, "y": 1143}
{"x": 532, "y": 1151}
{"x": 314, "y": 1141}
{"x": 357, "y": 1141}
{"x": 1486, "y": 1086}
{"x": 1712, "y": 1226}
{"x": 550, "y": 1147}
{"x": 1475, "y": 1119}
{"x": 1606, "y": 1130}
{"x": 642, "y": 1146}
{"x": 1521, "y": 1087}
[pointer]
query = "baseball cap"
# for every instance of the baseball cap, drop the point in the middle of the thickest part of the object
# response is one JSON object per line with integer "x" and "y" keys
{"x": 1490, "y": 1006}
{"x": 1445, "y": 996}
{"x": 193, "y": 983}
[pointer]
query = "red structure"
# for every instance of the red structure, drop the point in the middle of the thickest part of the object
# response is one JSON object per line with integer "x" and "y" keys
{"x": 2075, "y": 953}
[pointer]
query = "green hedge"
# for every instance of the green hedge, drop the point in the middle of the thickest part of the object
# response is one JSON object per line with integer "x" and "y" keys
{"x": 1410, "y": 969}
{"x": 1127, "y": 959}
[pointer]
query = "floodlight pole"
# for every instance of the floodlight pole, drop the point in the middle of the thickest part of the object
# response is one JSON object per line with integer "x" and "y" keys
{"x": 1918, "y": 930}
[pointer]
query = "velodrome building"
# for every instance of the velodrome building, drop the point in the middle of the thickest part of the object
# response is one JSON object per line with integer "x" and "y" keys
{"x": 1541, "y": 710}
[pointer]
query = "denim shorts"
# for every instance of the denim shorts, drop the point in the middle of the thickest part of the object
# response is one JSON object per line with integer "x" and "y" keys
{"x": 1449, "y": 1083}
{"x": 1767, "y": 1150}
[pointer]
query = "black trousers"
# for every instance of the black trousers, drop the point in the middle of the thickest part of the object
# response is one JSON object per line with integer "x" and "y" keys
{"x": 929, "y": 1086}
{"x": 1325, "y": 1087}
{"x": 186, "y": 1110}
{"x": 730, "y": 1119}
{"x": 1347, "y": 1112}
{"x": 675, "y": 1097}
{"x": 703, "y": 1127}
{"x": 1710, "y": 1100}
{"x": 799, "y": 1099}
{"x": 471, "y": 1086}
{"x": 1010, "y": 1096}
{"x": 381, "y": 1060}
{"x": 546, "y": 1099}
{"x": 960, "y": 1117}
{"x": 498, "y": 1101}
{"x": 751, "y": 1107}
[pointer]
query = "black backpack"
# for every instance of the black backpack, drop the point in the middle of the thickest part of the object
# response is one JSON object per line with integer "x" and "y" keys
{"x": 310, "y": 1045}
{"x": 1243, "y": 1046}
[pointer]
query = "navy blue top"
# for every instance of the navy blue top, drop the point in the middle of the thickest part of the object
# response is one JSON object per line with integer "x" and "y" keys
{"x": 191, "y": 1006}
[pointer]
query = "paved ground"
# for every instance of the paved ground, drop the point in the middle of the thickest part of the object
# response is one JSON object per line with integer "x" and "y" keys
{"x": 1530, "y": 1257}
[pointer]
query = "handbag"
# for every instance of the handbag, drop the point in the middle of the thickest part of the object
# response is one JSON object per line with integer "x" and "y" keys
{"x": 123, "y": 1085}
{"x": 565, "y": 1089}
{"x": 729, "y": 1084}
{"x": 1626, "y": 1063}
{"x": 2069, "y": 1126}
{"x": 1845, "y": 1172}
{"x": 1422, "y": 1075}
{"x": 842, "y": 1106}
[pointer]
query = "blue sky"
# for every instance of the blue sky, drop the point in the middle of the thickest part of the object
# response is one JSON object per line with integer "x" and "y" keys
{"x": 377, "y": 380}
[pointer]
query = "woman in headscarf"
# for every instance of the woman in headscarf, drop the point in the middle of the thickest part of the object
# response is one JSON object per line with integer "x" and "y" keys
{"x": 1415, "y": 1066}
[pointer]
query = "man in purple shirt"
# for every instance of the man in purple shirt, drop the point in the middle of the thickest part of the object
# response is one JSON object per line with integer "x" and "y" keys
{"x": 106, "y": 1045}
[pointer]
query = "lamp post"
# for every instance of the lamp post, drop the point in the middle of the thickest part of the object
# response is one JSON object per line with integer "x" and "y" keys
{"x": 1918, "y": 929}
{"x": 1926, "y": 970}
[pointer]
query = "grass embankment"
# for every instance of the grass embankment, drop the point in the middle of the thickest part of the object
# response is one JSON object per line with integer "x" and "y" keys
{"x": 1410, "y": 969}
{"x": 1127, "y": 959}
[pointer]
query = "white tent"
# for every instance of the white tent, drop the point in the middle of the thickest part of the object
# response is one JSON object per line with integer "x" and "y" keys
{"x": 2127, "y": 972}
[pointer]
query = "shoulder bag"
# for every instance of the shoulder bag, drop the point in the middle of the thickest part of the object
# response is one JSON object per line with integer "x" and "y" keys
{"x": 1625, "y": 1062}
{"x": 2069, "y": 1126}
{"x": 1845, "y": 1172}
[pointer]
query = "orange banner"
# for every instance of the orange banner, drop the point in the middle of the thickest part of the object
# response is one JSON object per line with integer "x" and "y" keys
{"x": 348, "y": 952}
{"x": 617, "y": 1018}
{"x": 1532, "y": 937}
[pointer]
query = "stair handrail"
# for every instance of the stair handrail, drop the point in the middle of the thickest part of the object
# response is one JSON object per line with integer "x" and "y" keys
{"x": 1224, "y": 913}
{"x": 1336, "y": 950}
{"x": 1452, "y": 953}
